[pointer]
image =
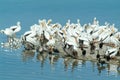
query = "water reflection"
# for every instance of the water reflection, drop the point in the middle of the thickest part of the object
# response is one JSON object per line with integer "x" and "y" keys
{"x": 27, "y": 55}
{"x": 67, "y": 62}
{"x": 70, "y": 63}
{"x": 75, "y": 64}
{"x": 53, "y": 58}
{"x": 118, "y": 69}
{"x": 42, "y": 57}
{"x": 16, "y": 44}
{"x": 111, "y": 69}
{"x": 100, "y": 68}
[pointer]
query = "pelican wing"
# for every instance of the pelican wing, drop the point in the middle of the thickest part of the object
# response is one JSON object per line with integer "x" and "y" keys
{"x": 47, "y": 35}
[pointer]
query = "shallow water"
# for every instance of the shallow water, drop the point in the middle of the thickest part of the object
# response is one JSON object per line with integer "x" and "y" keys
{"x": 25, "y": 65}
{"x": 17, "y": 65}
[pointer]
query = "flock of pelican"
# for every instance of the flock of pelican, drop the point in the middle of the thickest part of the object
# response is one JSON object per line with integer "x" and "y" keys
{"x": 72, "y": 39}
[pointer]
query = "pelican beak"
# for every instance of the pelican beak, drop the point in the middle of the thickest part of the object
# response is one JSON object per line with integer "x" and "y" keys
{"x": 49, "y": 21}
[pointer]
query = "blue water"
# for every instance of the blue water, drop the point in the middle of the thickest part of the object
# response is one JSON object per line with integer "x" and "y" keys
{"x": 15, "y": 66}
{"x": 29, "y": 11}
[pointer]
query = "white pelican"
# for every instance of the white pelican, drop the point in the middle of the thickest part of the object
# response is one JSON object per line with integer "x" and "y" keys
{"x": 86, "y": 40}
{"x": 9, "y": 33}
{"x": 47, "y": 35}
{"x": 43, "y": 24}
{"x": 113, "y": 69}
{"x": 51, "y": 41}
{"x": 78, "y": 23}
{"x": 35, "y": 27}
{"x": 95, "y": 21}
{"x": 88, "y": 29}
{"x": 113, "y": 29}
{"x": 30, "y": 37}
{"x": 95, "y": 24}
{"x": 16, "y": 28}
{"x": 68, "y": 23}
{"x": 71, "y": 46}
{"x": 112, "y": 52}
{"x": 28, "y": 33}
{"x": 49, "y": 21}
{"x": 112, "y": 40}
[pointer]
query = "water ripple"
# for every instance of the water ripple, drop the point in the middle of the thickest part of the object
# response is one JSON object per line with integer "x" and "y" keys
{"x": 23, "y": 67}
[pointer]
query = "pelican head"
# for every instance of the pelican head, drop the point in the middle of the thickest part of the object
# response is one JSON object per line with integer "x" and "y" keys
{"x": 42, "y": 22}
{"x": 1, "y": 31}
{"x": 49, "y": 21}
{"x": 107, "y": 24}
{"x": 78, "y": 20}
{"x": 18, "y": 23}
{"x": 39, "y": 21}
{"x": 95, "y": 19}
{"x": 97, "y": 22}
{"x": 113, "y": 25}
{"x": 85, "y": 26}
{"x": 68, "y": 22}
